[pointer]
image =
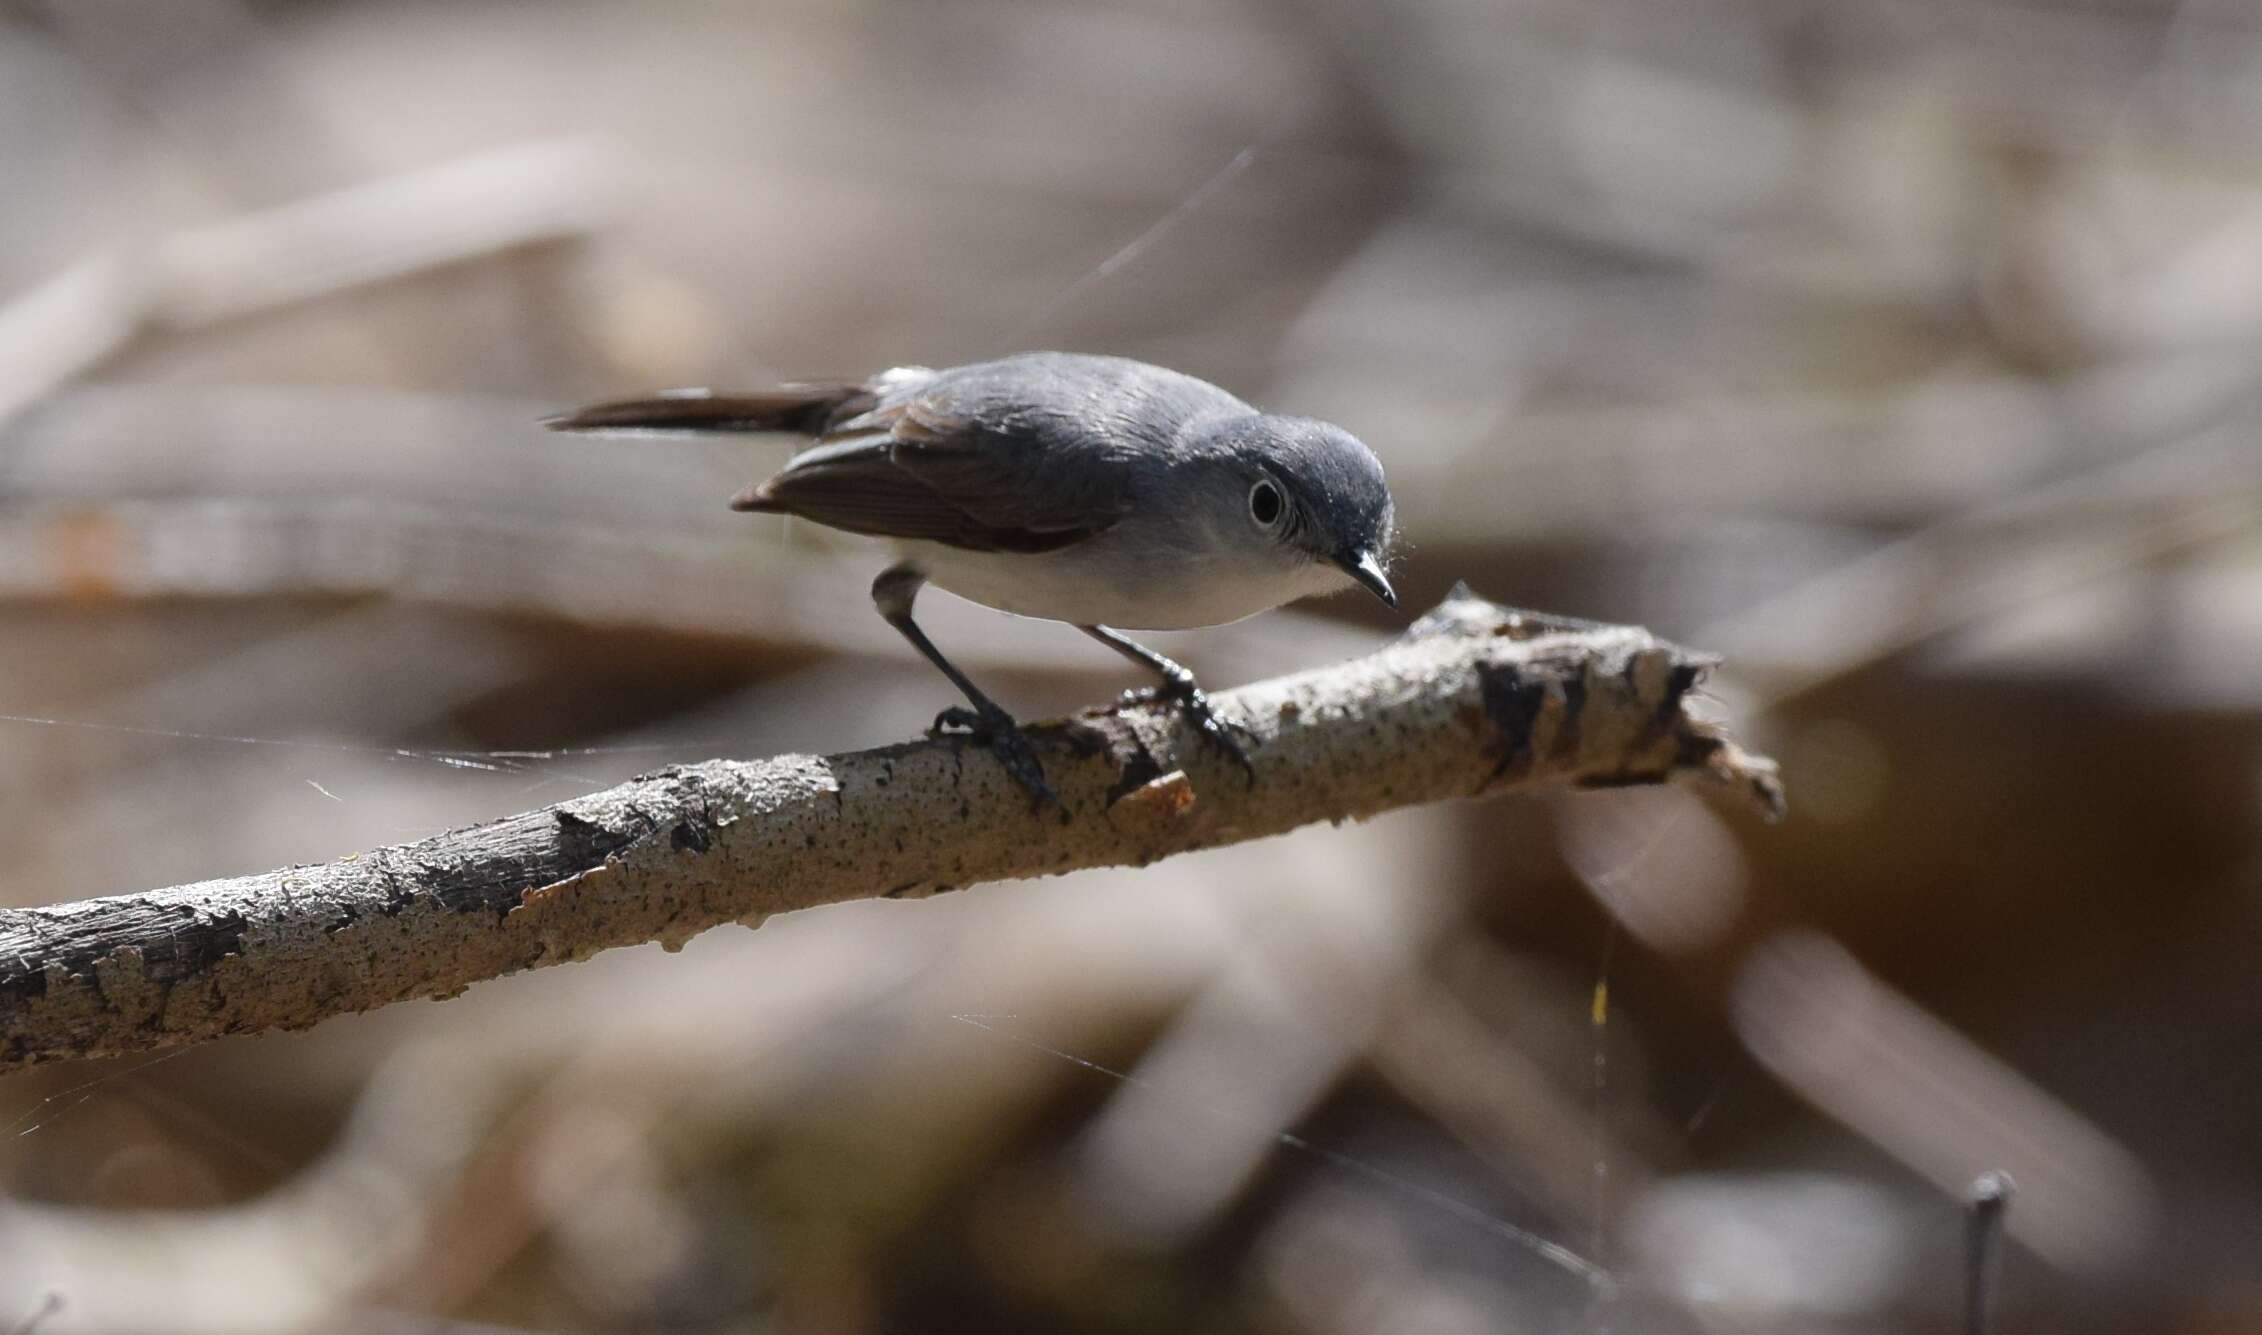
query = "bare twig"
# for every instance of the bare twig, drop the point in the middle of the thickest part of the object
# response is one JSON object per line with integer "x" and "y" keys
{"x": 1464, "y": 704}
{"x": 1983, "y": 1229}
{"x": 49, "y": 1305}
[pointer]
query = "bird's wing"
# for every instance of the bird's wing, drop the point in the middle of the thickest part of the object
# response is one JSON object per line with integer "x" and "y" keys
{"x": 937, "y": 463}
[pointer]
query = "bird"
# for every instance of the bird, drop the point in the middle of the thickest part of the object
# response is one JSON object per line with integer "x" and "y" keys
{"x": 1103, "y": 492}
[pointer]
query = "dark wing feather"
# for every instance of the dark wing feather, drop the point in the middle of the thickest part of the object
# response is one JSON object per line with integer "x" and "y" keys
{"x": 914, "y": 468}
{"x": 808, "y": 410}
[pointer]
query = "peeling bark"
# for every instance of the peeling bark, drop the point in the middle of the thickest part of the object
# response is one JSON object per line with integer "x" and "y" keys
{"x": 1473, "y": 700}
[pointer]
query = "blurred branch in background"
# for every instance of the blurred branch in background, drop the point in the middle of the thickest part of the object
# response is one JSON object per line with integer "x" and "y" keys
{"x": 475, "y": 206}
{"x": 314, "y": 492}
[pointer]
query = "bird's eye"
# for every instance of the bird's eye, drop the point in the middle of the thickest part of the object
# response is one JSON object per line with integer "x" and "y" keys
{"x": 1265, "y": 505}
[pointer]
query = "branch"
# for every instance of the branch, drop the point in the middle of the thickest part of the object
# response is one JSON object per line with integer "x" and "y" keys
{"x": 1474, "y": 699}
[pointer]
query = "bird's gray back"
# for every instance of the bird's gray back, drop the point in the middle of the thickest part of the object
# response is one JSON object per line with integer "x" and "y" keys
{"x": 1061, "y": 402}
{"x": 1028, "y": 453}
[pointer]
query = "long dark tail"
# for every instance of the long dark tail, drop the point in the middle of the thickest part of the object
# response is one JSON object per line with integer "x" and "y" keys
{"x": 808, "y": 410}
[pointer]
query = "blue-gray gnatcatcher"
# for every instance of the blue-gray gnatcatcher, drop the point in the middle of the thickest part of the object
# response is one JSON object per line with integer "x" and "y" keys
{"x": 1093, "y": 490}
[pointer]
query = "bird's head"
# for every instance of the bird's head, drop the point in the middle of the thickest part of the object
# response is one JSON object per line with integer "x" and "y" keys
{"x": 1309, "y": 492}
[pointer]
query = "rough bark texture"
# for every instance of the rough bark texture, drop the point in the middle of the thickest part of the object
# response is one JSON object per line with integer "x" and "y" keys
{"x": 1472, "y": 700}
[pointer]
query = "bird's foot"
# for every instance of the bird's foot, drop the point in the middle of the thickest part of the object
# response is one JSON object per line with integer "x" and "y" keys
{"x": 1194, "y": 703}
{"x": 996, "y": 730}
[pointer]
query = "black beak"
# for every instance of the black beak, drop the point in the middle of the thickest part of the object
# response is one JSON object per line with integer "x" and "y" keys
{"x": 1363, "y": 567}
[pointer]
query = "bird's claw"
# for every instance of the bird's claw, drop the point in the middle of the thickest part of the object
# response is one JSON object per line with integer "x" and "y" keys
{"x": 995, "y": 729}
{"x": 1194, "y": 703}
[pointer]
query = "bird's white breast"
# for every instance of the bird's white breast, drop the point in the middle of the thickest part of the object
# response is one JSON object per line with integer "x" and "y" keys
{"x": 1114, "y": 580}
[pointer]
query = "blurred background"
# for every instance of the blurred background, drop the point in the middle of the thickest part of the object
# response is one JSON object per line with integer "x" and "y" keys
{"x": 1904, "y": 352}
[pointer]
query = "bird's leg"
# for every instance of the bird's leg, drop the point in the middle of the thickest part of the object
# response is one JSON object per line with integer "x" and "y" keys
{"x": 893, "y": 593}
{"x": 1177, "y": 685}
